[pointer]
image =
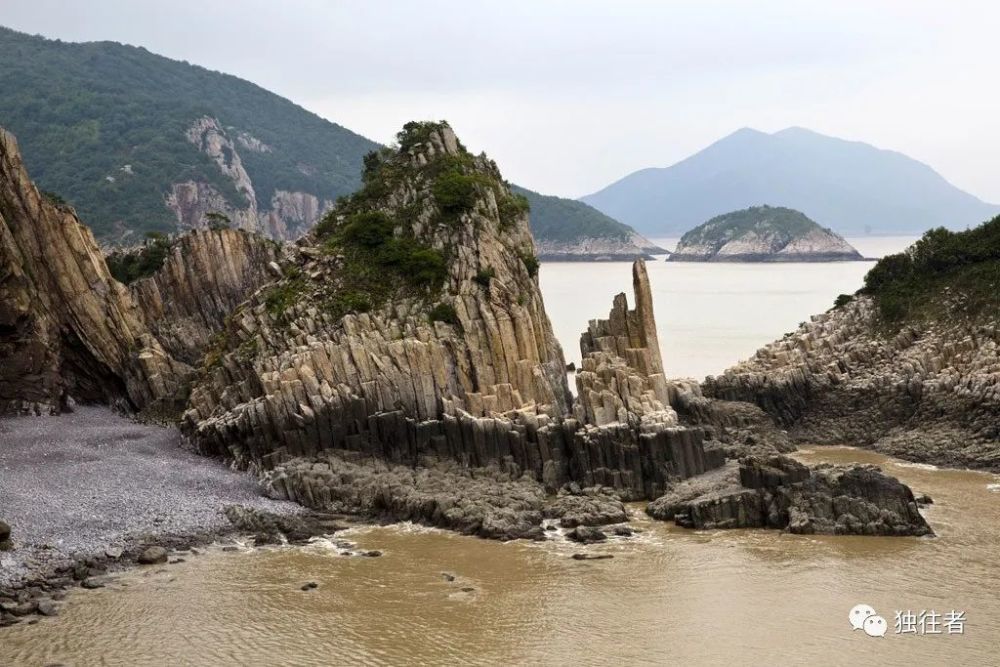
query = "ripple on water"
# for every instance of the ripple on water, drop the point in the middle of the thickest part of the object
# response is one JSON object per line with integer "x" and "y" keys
{"x": 668, "y": 595}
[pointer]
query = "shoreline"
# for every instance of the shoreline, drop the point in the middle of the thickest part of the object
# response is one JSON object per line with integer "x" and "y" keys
{"x": 86, "y": 494}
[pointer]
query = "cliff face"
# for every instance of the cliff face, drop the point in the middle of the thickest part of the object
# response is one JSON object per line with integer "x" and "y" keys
{"x": 207, "y": 274}
{"x": 929, "y": 392}
{"x": 762, "y": 234}
{"x": 68, "y": 330}
{"x": 286, "y": 216}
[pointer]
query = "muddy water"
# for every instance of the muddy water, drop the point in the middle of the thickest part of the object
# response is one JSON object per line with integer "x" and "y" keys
{"x": 668, "y": 596}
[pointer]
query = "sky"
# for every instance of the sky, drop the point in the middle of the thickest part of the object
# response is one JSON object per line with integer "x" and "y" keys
{"x": 570, "y": 95}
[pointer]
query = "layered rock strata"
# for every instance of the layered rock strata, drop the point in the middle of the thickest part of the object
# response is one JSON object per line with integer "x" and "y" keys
{"x": 928, "y": 392}
{"x": 778, "y": 492}
{"x": 207, "y": 274}
{"x": 68, "y": 330}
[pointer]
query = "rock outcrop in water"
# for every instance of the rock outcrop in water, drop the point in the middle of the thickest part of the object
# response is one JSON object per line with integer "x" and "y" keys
{"x": 450, "y": 357}
{"x": 928, "y": 392}
{"x": 778, "y": 492}
{"x": 68, "y": 330}
{"x": 762, "y": 234}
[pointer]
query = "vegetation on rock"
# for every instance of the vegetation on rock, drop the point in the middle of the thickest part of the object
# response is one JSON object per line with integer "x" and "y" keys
{"x": 944, "y": 274}
{"x": 127, "y": 266}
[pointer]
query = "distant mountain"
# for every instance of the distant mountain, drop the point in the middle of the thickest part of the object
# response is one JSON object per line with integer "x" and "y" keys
{"x": 140, "y": 143}
{"x": 570, "y": 229}
{"x": 849, "y": 186}
{"x": 762, "y": 234}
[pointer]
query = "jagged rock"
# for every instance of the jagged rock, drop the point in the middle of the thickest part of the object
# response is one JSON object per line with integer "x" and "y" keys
{"x": 68, "y": 330}
{"x": 778, "y": 492}
{"x": 928, "y": 393}
{"x": 206, "y": 275}
{"x": 5, "y": 542}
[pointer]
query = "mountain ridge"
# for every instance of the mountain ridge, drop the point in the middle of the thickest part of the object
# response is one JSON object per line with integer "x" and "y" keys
{"x": 849, "y": 186}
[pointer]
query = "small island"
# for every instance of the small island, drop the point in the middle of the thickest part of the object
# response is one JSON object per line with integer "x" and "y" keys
{"x": 763, "y": 234}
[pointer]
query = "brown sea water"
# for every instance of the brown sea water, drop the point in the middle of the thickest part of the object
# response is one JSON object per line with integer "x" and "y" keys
{"x": 669, "y": 596}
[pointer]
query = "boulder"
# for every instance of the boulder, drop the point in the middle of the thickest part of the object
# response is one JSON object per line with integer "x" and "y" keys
{"x": 153, "y": 556}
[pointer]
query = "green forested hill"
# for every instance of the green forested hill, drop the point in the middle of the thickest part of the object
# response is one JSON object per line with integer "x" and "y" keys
{"x": 102, "y": 125}
{"x": 81, "y": 112}
{"x": 558, "y": 219}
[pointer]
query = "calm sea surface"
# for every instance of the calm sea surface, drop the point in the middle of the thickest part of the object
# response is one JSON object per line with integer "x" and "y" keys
{"x": 669, "y": 596}
{"x": 710, "y": 316}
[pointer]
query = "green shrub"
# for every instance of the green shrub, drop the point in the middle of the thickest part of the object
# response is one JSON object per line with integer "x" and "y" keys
{"x": 510, "y": 207}
{"x": 843, "y": 300}
{"x": 484, "y": 276}
{"x": 128, "y": 266}
{"x": 454, "y": 192}
{"x": 217, "y": 221}
{"x": 530, "y": 262}
{"x": 445, "y": 312}
{"x": 943, "y": 274}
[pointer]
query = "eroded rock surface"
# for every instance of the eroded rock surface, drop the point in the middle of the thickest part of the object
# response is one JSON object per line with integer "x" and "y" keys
{"x": 68, "y": 330}
{"x": 929, "y": 392}
{"x": 207, "y": 274}
{"x": 778, "y": 492}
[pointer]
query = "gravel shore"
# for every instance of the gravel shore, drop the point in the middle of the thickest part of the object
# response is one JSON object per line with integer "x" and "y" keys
{"x": 75, "y": 485}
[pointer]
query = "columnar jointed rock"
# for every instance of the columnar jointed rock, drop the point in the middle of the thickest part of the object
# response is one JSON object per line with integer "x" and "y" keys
{"x": 67, "y": 328}
{"x": 927, "y": 393}
{"x": 309, "y": 377}
{"x": 621, "y": 377}
{"x": 778, "y": 492}
{"x": 478, "y": 378}
{"x": 207, "y": 274}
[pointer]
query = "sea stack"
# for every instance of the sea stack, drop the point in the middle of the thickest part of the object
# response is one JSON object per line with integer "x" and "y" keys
{"x": 762, "y": 234}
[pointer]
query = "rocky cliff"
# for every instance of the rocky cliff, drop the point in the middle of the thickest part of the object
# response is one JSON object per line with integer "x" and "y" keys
{"x": 68, "y": 330}
{"x": 204, "y": 277}
{"x": 762, "y": 234}
{"x": 410, "y": 324}
{"x": 929, "y": 391}
{"x": 195, "y": 202}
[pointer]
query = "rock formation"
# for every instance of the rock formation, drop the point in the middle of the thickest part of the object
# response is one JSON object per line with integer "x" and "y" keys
{"x": 928, "y": 392}
{"x": 762, "y": 234}
{"x": 778, "y": 492}
{"x": 469, "y": 371}
{"x": 68, "y": 330}
{"x": 286, "y": 216}
{"x": 206, "y": 275}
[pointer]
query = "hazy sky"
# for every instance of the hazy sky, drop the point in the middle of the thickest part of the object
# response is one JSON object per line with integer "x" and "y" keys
{"x": 568, "y": 96}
